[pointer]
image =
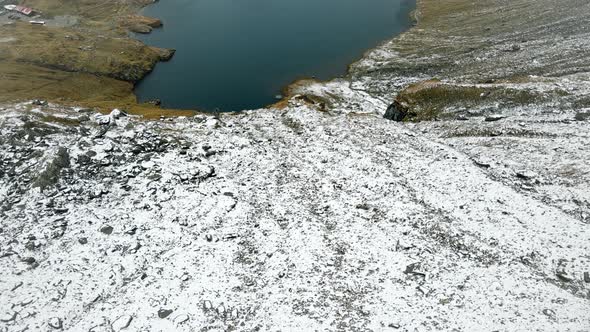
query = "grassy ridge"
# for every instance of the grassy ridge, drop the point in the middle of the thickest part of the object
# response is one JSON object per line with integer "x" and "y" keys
{"x": 93, "y": 64}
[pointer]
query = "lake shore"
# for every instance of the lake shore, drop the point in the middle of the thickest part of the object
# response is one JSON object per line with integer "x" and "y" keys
{"x": 244, "y": 53}
{"x": 95, "y": 62}
{"x": 470, "y": 46}
{"x": 91, "y": 62}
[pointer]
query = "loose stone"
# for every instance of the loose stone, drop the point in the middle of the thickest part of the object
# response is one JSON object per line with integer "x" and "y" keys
{"x": 180, "y": 319}
{"x": 221, "y": 310}
{"x": 234, "y": 313}
{"x": 163, "y": 313}
{"x": 207, "y": 305}
{"x": 525, "y": 175}
{"x": 17, "y": 286}
{"x": 8, "y": 317}
{"x": 494, "y": 118}
{"x": 564, "y": 276}
{"x": 56, "y": 323}
{"x": 549, "y": 313}
{"x": 108, "y": 230}
{"x": 122, "y": 322}
{"x": 29, "y": 260}
{"x": 131, "y": 231}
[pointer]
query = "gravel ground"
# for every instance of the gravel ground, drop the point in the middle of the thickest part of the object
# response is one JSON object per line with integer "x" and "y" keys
{"x": 290, "y": 220}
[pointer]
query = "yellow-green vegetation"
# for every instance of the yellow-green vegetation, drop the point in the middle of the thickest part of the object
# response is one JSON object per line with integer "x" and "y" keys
{"x": 92, "y": 64}
{"x": 140, "y": 24}
{"x": 22, "y": 82}
{"x": 93, "y": 12}
{"x": 430, "y": 99}
{"x": 25, "y": 81}
{"x": 72, "y": 51}
{"x": 319, "y": 102}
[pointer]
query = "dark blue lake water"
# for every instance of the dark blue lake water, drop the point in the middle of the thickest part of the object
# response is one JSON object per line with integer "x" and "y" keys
{"x": 239, "y": 54}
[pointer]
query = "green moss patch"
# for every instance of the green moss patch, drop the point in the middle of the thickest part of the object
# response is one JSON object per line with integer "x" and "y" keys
{"x": 431, "y": 99}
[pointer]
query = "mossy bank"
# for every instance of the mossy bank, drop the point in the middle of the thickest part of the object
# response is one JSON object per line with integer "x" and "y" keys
{"x": 83, "y": 55}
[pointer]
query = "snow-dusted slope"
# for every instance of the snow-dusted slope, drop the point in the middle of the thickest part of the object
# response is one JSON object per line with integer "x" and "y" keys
{"x": 320, "y": 214}
{"x": 290, "y": 220}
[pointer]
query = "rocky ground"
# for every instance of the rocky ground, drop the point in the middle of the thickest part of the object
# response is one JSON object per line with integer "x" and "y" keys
{"x": 293, "y": 220}
{"x": 318, "y": 213}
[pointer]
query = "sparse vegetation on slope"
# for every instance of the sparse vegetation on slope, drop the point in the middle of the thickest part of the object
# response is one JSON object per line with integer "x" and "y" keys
{"x": 93, "y": 63}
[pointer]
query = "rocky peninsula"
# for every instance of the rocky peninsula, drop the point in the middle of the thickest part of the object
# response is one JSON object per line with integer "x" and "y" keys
{"x": 83, "y": 54}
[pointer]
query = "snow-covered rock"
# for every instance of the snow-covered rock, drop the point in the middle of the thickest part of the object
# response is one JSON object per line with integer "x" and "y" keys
{"x": 321, "y": 221}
